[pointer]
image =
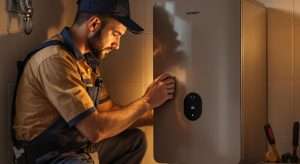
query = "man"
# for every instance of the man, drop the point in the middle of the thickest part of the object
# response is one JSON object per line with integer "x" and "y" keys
{"x": 63, "y": 111}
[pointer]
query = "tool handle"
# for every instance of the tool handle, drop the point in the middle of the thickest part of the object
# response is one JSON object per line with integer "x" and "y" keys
{"x": 296, "y": 133}
{"x": 269, "y": 134}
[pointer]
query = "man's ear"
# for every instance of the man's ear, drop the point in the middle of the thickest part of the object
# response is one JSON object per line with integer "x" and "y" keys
{"x": 94, "y": 24}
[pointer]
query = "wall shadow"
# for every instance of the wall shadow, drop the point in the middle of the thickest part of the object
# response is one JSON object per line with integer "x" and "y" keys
{"x": 15, "y": 46}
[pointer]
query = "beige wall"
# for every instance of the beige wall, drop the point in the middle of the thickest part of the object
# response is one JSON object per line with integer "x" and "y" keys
{"x": 49, "y": 18}
{"x": 281, "y": 72}
{"x": 128, "y": 72}
{"x": 254, "y": 80}
{"x": 283, "y": 68}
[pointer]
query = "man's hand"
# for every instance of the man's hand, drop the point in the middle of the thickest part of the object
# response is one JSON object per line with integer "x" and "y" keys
{"x": 161, "y": 90}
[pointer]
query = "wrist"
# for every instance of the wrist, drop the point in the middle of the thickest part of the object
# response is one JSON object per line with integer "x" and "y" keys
{"x": 146, "y": 101}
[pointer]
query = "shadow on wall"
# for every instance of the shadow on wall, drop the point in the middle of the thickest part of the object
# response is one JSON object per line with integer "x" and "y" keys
{"x": 14, "y": 46}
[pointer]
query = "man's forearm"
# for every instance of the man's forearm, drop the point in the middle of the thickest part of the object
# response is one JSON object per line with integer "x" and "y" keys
{"x": 145, "y": 120}
{"x": 119, "y": 119}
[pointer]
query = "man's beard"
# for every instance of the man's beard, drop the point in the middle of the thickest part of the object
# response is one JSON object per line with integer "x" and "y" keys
{"x": 95, "y": 48}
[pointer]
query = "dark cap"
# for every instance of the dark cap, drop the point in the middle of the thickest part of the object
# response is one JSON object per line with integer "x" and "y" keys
{"x": 118, "y": 9}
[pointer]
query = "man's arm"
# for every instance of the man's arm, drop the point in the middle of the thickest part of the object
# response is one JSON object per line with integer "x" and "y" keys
{"x": 145, "y": 120}
{"x": 107, "y": 123}
{"x": 61, "y": 82}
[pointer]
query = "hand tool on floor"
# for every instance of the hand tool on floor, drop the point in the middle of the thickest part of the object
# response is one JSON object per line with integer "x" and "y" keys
{"x": 272, "y": 155}
{"x": 286, "y": 158}
{"x": 294, "y": 157}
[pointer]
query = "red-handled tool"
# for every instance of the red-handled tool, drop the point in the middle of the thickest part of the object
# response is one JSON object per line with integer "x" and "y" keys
{"x": 272, "y": 155}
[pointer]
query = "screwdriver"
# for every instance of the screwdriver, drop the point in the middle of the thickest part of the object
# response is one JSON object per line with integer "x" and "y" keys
{"x": 272, "y": 155}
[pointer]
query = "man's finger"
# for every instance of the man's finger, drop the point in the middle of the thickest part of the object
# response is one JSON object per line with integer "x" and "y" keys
{"x": 171, "y": 86}
{"x": 169, "y": 81}
{"x": 170, "y": 97}
{"x": 163, "y": 77}
{"x": 171, "y": 91}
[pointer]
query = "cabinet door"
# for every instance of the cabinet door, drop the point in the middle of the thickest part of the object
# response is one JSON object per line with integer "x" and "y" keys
{"x": 198, "y": 41}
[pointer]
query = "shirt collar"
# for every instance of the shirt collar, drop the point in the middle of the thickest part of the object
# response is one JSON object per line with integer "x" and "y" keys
{"x": 69, "y": 42}
{"x": 92, "y": 60}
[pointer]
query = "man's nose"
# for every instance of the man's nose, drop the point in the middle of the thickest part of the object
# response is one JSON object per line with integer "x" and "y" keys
{"x": 116, "y": 46}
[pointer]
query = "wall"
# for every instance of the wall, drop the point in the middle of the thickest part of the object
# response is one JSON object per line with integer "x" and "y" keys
{"x": 281, "y": 72}
{"x": 254, "y": 80}
{"x": 49, "y": 18}
{"x": 128, "y": 72}
{"x": 283, "y": 68}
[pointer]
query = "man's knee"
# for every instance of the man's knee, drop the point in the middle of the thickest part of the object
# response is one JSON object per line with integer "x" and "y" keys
{"x": 73, "y": 158}
{"x": 138, "y": 139}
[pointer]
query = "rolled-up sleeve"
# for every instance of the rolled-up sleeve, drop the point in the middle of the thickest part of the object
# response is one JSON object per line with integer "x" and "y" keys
{"x": 61, "y": 81}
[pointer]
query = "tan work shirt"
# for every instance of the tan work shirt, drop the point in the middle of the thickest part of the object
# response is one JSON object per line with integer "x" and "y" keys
{"x": 52, "y": 86}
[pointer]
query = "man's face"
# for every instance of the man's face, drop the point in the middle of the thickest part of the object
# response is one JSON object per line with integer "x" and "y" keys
{"x": 107, "y": 38}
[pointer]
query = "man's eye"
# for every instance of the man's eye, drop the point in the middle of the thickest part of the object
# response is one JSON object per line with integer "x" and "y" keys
{"x": 115, "y": 34}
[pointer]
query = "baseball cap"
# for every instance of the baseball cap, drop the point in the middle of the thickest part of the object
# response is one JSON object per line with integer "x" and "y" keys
{"x": 118, "y": 9}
